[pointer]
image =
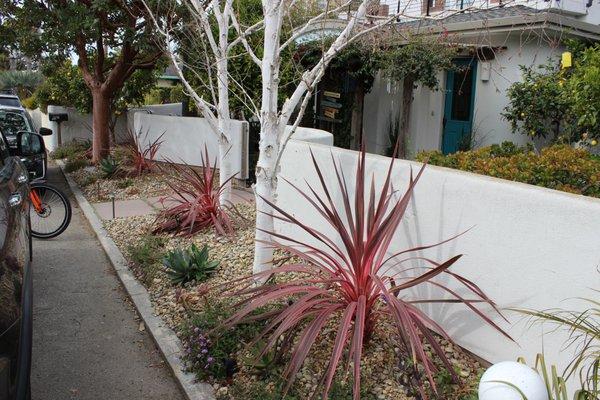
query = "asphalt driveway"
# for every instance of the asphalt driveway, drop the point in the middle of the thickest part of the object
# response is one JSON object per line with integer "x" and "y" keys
{"x": 88, "y": 342}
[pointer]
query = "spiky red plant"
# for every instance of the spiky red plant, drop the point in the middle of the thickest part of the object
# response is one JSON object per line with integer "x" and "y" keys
{"x": 196, "y": 201}
{"x": 348, "y": 278}
{"x": 142, "y": 152}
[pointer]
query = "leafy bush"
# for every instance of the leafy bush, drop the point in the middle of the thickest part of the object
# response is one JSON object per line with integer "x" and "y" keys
{"x": 109, "y": 167}
{"x": 537, "y": 105}
{"x": 142, "y": 152}
{"x": 146, "y": 255}
{"x": 562, "y": 104}
{"x": 559, "y": 167}
{"x": 210, "y": 355}
{"x": 197, "y": 201}
{"x": 71, "y": 150}
{"x": 189, "y": 265}
{"x": 124, "y": 183}
{"x": 349, "y": 280}
{"x": 30, "y": 103}
{"x": 24, "y": 82}
{"x": 73, "y": 165}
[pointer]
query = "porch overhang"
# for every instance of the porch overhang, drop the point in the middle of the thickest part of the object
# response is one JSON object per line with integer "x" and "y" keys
{"x": 537, "y": 20}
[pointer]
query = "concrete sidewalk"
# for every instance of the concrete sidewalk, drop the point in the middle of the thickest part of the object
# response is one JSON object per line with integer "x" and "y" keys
{"x": 88, "y": 342}
{"x": 152, "y": 205}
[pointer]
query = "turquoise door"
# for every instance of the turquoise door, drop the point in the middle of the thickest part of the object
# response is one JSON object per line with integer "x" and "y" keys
{"x": 458, "y": 108}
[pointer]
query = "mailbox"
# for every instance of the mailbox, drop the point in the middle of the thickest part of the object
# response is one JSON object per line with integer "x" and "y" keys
{"x": 58, "y": 117}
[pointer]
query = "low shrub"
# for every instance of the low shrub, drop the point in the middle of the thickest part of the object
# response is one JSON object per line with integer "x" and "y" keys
{"x": 75, "y": 164}
{"x": 71, "y": 150}
{"x": 559, "y": 167}
{"x": 146, "y": 255}
{"x": 89, "y": 179}
{"x": 125, "y": 183}
{"x": 109, "y": 167}
{"x": 188, "y": 265}
{"x": 30, "y": 103}
{"x": 210, "y": 355}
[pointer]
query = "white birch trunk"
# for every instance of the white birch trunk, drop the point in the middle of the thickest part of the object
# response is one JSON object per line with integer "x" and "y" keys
{"x": 223, "y": 114}
{"x": 266, "y": 173}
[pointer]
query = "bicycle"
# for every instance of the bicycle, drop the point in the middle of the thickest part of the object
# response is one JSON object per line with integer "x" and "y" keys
{"x": 50, "y": 210}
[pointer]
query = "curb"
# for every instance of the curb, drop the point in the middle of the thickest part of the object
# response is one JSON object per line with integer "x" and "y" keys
{"x": 167, "y": 342}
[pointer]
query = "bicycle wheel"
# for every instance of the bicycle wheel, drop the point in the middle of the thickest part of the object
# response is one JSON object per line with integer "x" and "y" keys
{"x": 50, "y": 211}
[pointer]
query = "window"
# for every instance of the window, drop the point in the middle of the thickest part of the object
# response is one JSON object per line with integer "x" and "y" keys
{"x": 432, "y": 5}
{"x": 10, "y": 102}
{"x": 462, "y": 90}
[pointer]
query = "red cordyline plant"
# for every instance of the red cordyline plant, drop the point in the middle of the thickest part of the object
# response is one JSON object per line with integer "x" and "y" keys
{"x": 350, "y": 280}
{"x": 142, "y": 152}
{"x": 196, "y": 201}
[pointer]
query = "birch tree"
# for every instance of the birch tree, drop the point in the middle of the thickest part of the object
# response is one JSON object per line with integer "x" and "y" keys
{"x": 209, "y": 26}
{"x": 274, "y": 119}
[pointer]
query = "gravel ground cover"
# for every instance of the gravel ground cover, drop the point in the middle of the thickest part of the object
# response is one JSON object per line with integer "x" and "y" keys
{"x": 383, "y": 376}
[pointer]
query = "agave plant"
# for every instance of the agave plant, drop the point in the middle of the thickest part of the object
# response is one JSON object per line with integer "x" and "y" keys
{"x": 109, "y": 167}
{"x": 142, "y": 151}
{"x": 186, "y": 265}
{"x": 348, "y": 279}
{"x": 196, "y": 199}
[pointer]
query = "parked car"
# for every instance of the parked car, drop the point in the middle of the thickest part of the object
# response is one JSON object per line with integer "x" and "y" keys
{"x": 13, "y": 121}
{"x": 15, "y": 272}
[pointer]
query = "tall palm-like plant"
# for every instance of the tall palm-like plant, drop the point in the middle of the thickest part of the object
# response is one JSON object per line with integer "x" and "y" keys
{"x": 195, "y": 201}
{"x": 348, "y": 278}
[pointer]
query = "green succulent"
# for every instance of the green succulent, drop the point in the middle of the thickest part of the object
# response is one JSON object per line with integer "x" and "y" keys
{"x": 187, "y": 265}
{"x": 109, "y": 167}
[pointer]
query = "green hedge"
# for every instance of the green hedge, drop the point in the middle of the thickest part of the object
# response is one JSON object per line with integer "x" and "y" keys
{"x": 559, "y": 167}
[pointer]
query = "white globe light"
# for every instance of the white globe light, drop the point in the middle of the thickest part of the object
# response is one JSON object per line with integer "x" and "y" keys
{"x": 492, "y": 386}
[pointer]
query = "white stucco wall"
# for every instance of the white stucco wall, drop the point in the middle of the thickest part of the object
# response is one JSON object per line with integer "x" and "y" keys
{"x": 79, "y": 126}
{"x": 381, "y": 106}
{"x": 311, "y": 135}
{"x": 528, "y": 247}
{"x": 185, "y": 137}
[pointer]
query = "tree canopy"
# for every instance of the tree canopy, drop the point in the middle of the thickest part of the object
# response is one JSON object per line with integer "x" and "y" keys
{"x": 111, "y": 39}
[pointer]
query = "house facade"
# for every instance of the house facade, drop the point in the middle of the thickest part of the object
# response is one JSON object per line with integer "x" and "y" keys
{"x": 495, "y": 38}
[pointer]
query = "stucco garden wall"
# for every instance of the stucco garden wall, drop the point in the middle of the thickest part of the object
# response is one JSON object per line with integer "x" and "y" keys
{"x": 79, "y": 126}
{"x": 185, "y": 137}
{"x": 527, "y": 247}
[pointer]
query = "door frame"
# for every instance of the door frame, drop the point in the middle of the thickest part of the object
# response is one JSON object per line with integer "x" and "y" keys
{"x": 447, "y": 109}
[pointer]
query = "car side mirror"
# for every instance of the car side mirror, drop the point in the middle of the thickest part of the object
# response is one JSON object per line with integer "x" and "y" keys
{"x": 30, "y": 144}
{"x": 45, "y": 131}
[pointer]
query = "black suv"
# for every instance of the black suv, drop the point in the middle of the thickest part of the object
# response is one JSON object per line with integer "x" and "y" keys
{"x": 15, "y": 261}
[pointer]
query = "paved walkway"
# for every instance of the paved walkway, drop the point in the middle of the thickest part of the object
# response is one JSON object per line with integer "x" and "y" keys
{"x": 130, "y": 208}
{"x": 88, "y": 343}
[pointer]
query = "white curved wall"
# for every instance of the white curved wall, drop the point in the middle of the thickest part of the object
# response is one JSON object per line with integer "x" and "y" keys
{"x": 185, "y": 137}
{"x": 528, "y": 247}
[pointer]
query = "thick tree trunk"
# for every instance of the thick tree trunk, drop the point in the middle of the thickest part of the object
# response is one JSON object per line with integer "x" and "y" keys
{"x": 100, "y": 125}
{"x": 407, "y": 100}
